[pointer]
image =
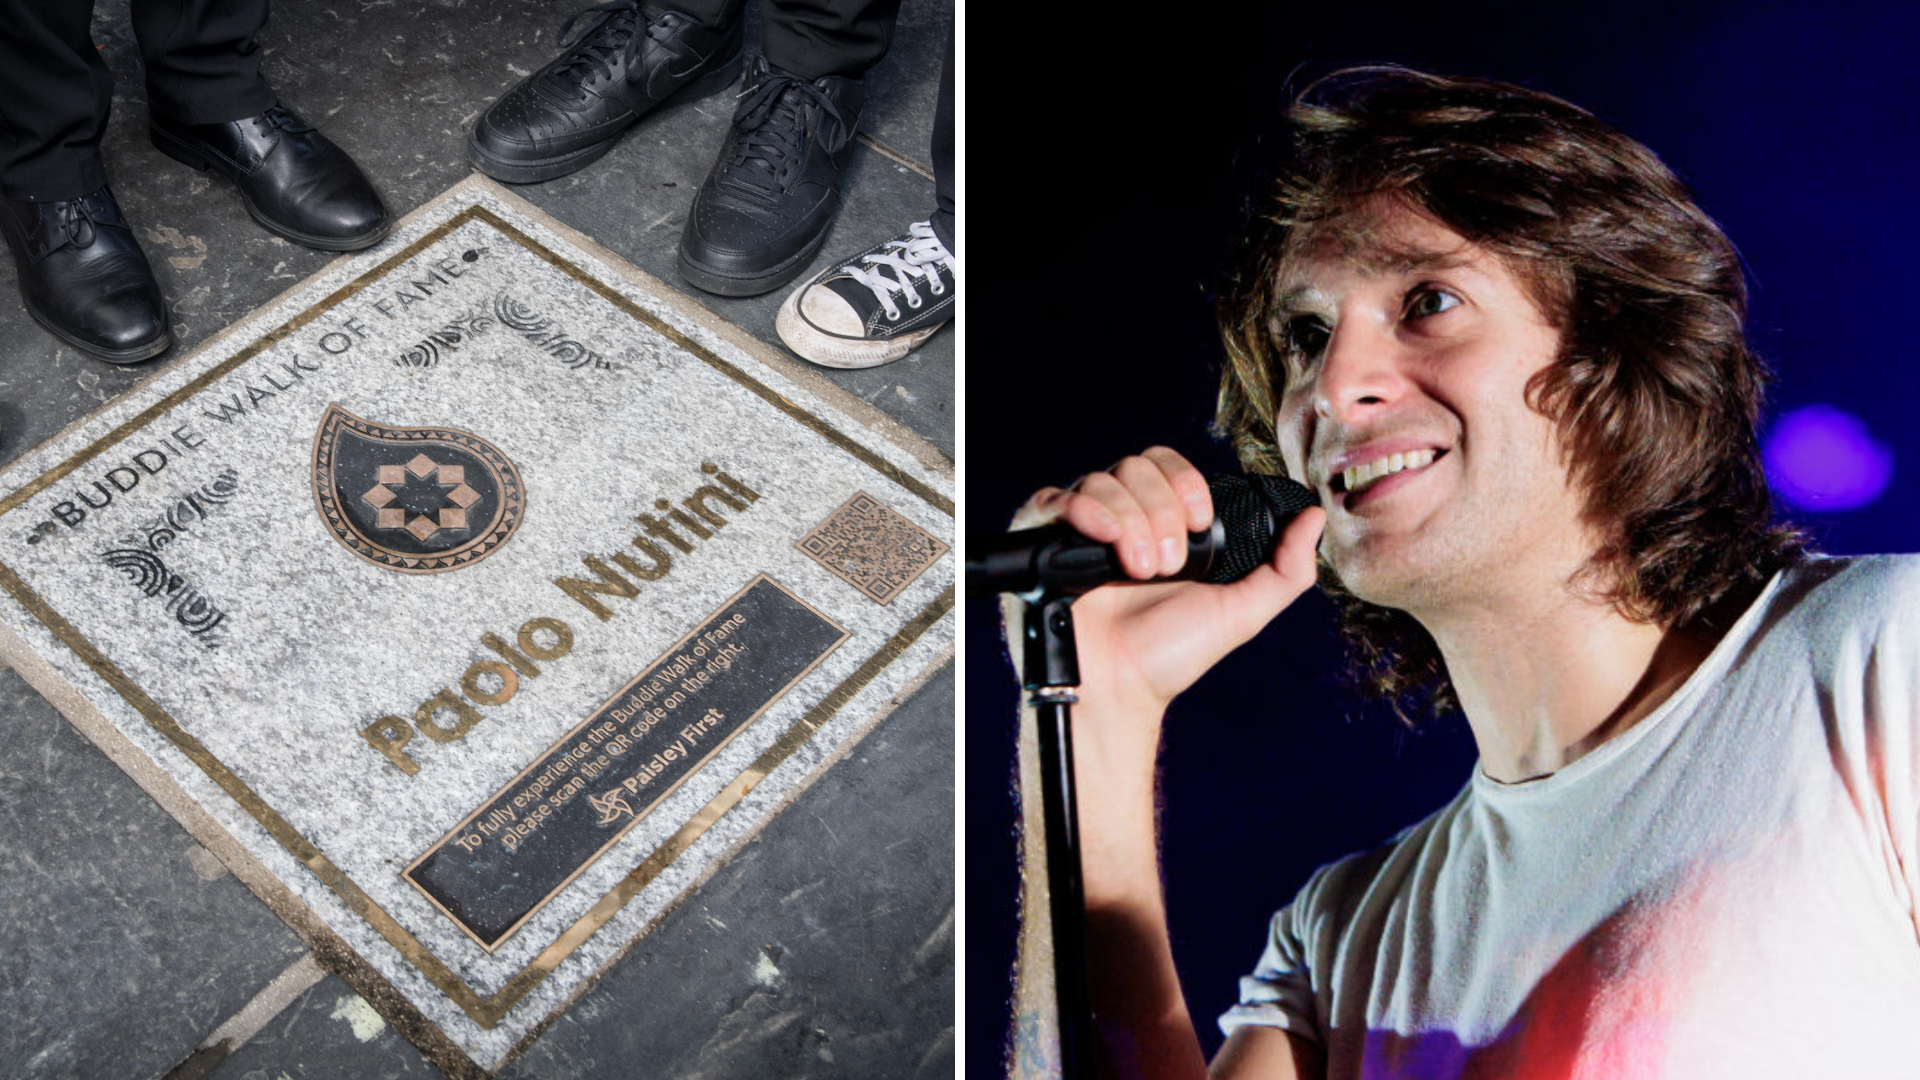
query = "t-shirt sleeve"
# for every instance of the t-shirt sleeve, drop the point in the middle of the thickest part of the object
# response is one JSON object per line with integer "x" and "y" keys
{"x": 1279, "y": 992}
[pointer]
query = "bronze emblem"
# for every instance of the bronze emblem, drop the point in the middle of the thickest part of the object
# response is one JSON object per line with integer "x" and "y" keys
{"x": 417, "y": 500}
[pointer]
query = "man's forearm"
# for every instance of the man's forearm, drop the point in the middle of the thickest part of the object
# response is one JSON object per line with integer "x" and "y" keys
{"x": 1140, "y": 1014}
{"x": 1139, "y": 1009}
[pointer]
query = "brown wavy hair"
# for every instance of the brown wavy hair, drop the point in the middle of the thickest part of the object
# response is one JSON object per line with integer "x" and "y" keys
{"x": 1655, "y": 391}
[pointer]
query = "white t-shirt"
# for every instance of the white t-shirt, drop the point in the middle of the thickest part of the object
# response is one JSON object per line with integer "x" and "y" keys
{"x": 1726, "y": 889}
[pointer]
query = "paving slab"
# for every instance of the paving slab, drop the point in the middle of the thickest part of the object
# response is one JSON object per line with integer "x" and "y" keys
{"x": 329, "y": 1032}
{"x": 122, "y": 940}
{"x": 904, "y": 87}
{"x": 258, "y": 579}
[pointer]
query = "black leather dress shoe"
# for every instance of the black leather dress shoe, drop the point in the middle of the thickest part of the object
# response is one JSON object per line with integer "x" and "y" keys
{"x": 628, "y": 60}
{"x": 294, "y": 181}
{"x": 762, "y": 212}
{"x": 84, "y": 277}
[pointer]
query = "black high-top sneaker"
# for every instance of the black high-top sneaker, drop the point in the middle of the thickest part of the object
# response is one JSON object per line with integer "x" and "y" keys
{"x": 762, "y": 212}
{"x": 875, "y": 307}
{"x": 628, "y": 60}
{"x": 84, "y": 277}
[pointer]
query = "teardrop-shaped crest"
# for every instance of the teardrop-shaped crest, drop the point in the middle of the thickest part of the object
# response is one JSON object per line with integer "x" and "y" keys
{"x": 419, "y": 500}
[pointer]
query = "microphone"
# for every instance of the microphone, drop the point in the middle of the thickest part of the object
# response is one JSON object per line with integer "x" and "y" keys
{"x": 1250, "y": 512}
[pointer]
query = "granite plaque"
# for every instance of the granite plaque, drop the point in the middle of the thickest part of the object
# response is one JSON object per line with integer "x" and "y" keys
{"x": 457, "y": 600}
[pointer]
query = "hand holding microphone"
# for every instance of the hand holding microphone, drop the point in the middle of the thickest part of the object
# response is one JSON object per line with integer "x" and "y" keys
{"x": 1252, "y": 511}
{"x": 1141, "y": 646}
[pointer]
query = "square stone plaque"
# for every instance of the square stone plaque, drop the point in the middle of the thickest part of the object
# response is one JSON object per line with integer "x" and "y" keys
{"x": 458, "y": 600}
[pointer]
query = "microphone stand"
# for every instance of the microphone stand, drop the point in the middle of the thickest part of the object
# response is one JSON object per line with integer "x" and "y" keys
{"x": 1049, "y": 574}
{"x": 1052, "y": 667}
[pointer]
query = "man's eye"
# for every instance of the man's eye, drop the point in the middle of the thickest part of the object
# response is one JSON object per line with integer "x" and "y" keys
{"x": 1430, "y": 301}
{"x": 1306, "y": 337}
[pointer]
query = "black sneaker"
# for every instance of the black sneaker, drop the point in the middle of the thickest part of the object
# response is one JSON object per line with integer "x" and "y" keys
{"x": 876, "y": 307}
{"x": 762, "y": 212}
{"x": 630, "y": 58}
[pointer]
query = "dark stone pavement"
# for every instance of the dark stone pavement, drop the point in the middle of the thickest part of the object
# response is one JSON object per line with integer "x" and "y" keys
{"x": 824, "y": 949}
{"x": 116, "y": 954}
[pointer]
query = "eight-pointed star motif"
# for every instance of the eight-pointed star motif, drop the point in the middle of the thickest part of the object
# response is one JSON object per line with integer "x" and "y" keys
{"x": 382, "y": 495}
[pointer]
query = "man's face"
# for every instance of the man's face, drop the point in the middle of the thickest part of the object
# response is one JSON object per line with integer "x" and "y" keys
{"x": 1424, "y": 356}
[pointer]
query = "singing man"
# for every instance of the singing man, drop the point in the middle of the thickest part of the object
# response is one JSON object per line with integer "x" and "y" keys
{"x": 1505, "y": 348}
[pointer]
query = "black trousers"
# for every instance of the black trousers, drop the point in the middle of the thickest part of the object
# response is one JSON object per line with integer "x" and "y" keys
{"x": 202, "y": 65}
{"x": 943, "y": 153}
{"x": 812, "y": 38}
{"x": 809, "y": 38}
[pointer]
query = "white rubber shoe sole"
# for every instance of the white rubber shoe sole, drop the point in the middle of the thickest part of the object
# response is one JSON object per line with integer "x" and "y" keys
{"x": 837, "y": 351}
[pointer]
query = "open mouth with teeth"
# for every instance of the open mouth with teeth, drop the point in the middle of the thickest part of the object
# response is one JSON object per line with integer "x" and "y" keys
{"x": 1358, "y": 478}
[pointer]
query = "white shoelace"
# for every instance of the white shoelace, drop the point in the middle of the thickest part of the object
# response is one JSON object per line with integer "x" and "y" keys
{"x": 920, "y": 254}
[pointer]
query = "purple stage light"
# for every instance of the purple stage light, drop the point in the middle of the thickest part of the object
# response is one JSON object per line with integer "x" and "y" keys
{"x": 1823, "y": 459}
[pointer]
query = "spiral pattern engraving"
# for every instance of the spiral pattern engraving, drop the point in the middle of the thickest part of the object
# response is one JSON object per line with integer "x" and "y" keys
{"x": 426, "y": 352}
{"x": 143, "y": 568}
{"x": 185, "y": 511}
{"x": 544, "y": 334}
{"x": 515, "y": 315}
{"x": 189, "y": 607}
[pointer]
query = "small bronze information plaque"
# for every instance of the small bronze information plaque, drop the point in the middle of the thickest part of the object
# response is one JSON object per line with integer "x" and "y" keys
{"x": 872, "y": 547}
{"x": 508, "y": 858}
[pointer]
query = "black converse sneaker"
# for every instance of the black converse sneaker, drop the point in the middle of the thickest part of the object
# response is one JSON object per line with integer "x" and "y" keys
{"x": 875, "y": 307}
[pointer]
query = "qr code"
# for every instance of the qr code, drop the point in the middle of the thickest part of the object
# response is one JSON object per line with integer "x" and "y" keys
{"x": 871, "y": 547}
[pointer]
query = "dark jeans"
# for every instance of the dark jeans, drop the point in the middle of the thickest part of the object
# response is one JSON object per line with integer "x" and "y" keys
{"x": 202, "y": 66}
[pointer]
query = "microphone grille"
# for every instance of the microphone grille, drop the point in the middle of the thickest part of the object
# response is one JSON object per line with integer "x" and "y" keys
{"x": 1253, "y": 508}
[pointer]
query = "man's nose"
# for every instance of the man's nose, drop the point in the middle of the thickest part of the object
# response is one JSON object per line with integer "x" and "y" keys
{"x": 1360, "y": 373}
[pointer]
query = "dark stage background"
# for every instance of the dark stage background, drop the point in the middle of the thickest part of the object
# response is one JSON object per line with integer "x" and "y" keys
{"x": 1093, "y": 338}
